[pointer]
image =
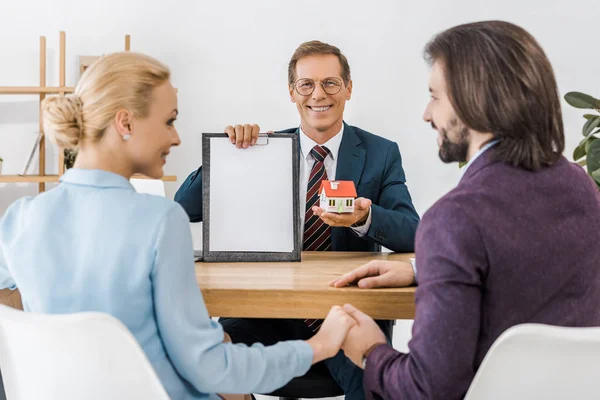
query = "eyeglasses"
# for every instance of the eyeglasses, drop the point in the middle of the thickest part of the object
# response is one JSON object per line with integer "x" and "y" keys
{"x": 306, "y": 86}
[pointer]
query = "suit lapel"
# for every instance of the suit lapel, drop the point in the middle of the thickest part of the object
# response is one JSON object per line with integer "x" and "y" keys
{"x": 350, "y": 165}
{"x": 351, "y": 157}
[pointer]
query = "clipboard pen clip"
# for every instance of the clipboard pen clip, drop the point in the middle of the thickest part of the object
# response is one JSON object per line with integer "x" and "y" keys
{"x": 262, "y": 140}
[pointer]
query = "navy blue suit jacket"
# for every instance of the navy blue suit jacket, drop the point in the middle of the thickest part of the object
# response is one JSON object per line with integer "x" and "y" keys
{"x": 375, "y": 166}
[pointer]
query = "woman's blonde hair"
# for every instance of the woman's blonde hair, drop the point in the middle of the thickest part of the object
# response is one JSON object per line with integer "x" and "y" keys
{"x": 116, "y": 81}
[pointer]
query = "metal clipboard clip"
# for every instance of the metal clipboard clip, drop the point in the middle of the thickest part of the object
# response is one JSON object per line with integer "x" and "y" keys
{"x": 262, "y": 140}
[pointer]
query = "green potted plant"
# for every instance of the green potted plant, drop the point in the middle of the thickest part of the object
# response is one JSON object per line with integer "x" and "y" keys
{"x": 587, "y": 153}
{"x": 1, "y": 165}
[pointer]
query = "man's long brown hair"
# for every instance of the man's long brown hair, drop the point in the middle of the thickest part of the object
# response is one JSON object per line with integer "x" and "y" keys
{"x": 499, "y": 80}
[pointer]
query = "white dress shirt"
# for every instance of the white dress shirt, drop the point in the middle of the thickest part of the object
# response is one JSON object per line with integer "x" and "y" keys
{"x": 306, "y": 163}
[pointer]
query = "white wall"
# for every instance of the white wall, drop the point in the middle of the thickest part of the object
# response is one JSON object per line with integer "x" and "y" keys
{"x": 229, "y": 61}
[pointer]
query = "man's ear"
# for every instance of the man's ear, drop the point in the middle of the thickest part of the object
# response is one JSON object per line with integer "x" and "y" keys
{"x": 292, "y": 97}
{"x": 349, "y": 89}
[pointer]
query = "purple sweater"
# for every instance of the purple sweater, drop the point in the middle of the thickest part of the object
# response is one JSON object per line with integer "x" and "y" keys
{"x": 506, "y": 246}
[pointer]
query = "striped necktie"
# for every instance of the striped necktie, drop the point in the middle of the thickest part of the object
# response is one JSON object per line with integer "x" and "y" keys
{"x": 317, "y": 234}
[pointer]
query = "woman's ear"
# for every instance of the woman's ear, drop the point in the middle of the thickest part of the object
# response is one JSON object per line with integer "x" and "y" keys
{"x": 123, "y": 123}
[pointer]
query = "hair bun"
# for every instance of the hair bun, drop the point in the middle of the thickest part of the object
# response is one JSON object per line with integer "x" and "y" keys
{"x": 63, "y": 120}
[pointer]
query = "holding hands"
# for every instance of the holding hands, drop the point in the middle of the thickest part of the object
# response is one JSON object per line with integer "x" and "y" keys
{"x": 363, "y": 337}
{"x": 348, "y": 329}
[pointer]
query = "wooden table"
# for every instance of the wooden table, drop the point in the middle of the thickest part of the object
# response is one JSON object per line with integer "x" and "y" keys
{"x": 298, "y": 289}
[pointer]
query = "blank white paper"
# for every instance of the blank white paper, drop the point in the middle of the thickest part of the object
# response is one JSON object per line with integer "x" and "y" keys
{"x": 251, "y": 197}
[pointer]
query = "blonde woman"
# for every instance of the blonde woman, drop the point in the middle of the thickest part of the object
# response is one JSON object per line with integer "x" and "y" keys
{"x": 129, "y": 254}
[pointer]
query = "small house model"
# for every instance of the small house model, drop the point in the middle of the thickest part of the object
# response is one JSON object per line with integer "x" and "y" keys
{"x": 337, "y": 196}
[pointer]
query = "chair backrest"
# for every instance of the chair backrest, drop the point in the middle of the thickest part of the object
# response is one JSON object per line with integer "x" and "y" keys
{"x": 149, "y": 186}
{"x": 90, "y": 356}
{"x": 535, "y": 361}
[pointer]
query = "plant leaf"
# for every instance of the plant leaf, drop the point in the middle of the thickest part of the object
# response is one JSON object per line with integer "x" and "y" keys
{"x": 581, "y": 100}
{"x": 580, "y": 151}
{"x": 588, "y": 116}
{"x": 588, "y": 143}
{"x": 593, "y": 156}
{"x": 590, "y": 125}
{"x": 584, "y": 141}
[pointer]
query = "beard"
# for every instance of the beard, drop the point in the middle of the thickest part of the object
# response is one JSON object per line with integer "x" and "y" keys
{"x": 454, "y": 151}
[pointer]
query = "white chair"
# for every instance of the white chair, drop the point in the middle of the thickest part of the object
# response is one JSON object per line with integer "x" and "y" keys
{"x": 149, "y": 186}
{"x": 535, "y": 361}
{"x": 88, "y": 356}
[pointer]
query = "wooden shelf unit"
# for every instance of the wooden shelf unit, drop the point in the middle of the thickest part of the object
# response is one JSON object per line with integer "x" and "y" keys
{"x": 28, "y": 178}
{"x": 42, "y": 90}
{"x": 54, "y": 178}
{"x": 35, "y": 90}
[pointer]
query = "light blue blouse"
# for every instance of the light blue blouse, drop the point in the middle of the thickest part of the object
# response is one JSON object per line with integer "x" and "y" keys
{"x": 94, "y": 244}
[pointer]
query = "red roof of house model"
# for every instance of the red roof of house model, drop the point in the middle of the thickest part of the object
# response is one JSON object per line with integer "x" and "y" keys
{"x": 344, "y": 189}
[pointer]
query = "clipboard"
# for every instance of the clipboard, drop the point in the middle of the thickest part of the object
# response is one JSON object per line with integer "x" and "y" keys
{"x": 251, "y": 209}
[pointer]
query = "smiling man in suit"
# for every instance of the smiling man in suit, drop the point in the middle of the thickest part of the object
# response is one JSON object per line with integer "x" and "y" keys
{"x": 320, "y": 84}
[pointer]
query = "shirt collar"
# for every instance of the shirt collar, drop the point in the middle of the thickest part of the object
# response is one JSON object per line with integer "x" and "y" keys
{"x": 333, "y": 144}
{"x": 95, "y": 177}
{"x": 480, "y": 152}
